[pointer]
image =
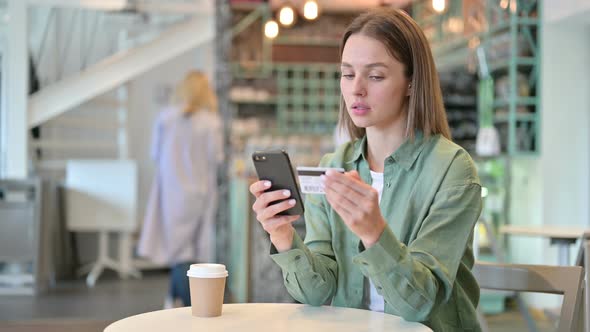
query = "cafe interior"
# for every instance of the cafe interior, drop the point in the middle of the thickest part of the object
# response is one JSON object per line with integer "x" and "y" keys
{"x": 84, "y": 84}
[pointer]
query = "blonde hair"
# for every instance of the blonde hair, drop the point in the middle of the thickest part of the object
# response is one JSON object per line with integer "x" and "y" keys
{"x": 406, "y": 42}
{"x": 194, "y": 93}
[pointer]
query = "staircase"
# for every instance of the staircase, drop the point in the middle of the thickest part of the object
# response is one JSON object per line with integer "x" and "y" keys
{"x": 84, "y": 58}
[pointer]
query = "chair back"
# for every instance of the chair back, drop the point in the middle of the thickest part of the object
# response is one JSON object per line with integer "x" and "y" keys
{"x": 564, "y": 280}
{"x": 584, "y": 261}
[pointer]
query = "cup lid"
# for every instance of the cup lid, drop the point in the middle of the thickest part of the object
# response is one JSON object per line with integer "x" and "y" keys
{"x": 207, "y": 271}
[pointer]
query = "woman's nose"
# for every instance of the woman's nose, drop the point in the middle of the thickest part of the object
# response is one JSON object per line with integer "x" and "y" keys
{"x": 359, "y": 87}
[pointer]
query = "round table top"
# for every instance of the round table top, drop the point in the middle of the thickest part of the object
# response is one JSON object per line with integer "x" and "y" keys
{"x": 259, "y": 317}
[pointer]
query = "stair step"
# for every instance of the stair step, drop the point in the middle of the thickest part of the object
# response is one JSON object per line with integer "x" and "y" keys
{"x": 83, "y": 123}
{"x": 67, "y": 145}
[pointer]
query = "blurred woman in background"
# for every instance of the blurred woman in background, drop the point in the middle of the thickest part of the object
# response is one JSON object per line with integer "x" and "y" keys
{"x": 187, "y": 147}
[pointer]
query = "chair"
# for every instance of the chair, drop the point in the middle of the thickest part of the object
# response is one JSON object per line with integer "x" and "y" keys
{"x": 500, "y": 258}
{"x": 565, "y": 280}
{"x": 584, "y": 261}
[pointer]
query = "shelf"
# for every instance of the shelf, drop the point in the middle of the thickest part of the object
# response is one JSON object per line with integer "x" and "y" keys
{"x": 511, "y": 42}
{"x": 528, "y": 117}
{"x": 520, "y": 61}
{"x": 246, "y": 6}
{"x": 251, "y": 70}
{"x": 528, "y": 20}
{"x": 522, "y": 101}
{"x": 527, "y": 154}
{"x": 271, "y": 101}
{"x": 454, "y": 51}
{"x": 307, "y": 41}
{"x": 451, "y": 101}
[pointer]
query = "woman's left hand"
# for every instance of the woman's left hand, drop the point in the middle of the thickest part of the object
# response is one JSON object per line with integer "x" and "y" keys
{"x": 357, "y": 203}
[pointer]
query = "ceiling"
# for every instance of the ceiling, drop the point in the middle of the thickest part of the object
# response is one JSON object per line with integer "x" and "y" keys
{"x": 343, "y": 5}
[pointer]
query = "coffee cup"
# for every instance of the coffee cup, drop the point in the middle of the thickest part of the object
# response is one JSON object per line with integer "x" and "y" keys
{"x": 207, "y": 286}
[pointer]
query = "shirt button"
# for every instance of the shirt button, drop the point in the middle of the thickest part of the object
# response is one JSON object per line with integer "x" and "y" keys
{"x": 379, "y": 287}
{"x": 298, "y": 257}
{"x": 388, "y": 184}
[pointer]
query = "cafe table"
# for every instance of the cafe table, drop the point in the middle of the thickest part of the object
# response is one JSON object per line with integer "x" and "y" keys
{"x": 261, "y": 317}
{"x": 562, "y": 236}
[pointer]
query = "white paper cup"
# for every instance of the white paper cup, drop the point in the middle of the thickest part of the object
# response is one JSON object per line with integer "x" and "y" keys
{"x": 207, "y": 286}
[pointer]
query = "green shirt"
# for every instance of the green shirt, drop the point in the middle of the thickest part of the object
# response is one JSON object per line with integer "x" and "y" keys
{"x": 422, "y": 262}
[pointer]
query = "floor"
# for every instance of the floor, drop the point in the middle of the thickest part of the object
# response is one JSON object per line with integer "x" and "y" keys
{"x": 73, "y": 307}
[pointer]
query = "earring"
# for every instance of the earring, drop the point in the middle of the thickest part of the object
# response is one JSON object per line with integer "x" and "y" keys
{"x": 410, "y": 86}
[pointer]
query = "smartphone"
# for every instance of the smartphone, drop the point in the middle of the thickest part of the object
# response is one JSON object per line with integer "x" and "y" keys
{"x": 275, "y": 167}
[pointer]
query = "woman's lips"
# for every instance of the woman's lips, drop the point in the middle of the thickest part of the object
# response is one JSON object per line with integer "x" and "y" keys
{"x": 360, "y": 108}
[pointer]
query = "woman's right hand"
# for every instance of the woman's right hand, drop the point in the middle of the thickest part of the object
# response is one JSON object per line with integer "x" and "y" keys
{"x": 279, "y": 227}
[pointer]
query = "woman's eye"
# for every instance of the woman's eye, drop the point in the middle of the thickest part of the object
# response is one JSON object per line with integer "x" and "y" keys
{"x": 376, "y": 78}
{"x": 348, "y": 76}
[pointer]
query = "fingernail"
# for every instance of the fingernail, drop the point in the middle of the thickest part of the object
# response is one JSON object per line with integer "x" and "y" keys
{"x": 267, "y": 184}
{"x": 291, "y": 202}
{"x": 329, "y": 172}
{"x": 286, "y": 193}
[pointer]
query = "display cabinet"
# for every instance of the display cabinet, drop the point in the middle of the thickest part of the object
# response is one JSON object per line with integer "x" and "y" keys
{"x": 509, "y": 32}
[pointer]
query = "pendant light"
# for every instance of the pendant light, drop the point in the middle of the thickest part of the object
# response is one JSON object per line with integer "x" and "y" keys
{"x": 439, "y": 5}
{"x": 271, "y": 29}
{"x": 286, "y": 16}
{"x": 310, "y": 10}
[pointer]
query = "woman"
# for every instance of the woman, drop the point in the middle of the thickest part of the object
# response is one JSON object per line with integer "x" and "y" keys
{"x": 180, "y": 218}
{"x": 394, "y": 232}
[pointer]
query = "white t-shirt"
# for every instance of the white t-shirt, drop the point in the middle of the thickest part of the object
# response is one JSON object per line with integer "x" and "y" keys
{"x": 376, "y": 301}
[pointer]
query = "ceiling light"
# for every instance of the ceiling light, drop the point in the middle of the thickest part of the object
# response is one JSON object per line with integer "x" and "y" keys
{"x": 271, "y": 29}
{"x": 310, "y": 10}
{"x": 438, "y": 5}
{"x": 286, "y": 16}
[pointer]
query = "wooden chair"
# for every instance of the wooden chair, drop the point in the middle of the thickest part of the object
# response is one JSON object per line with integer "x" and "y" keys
{"x": 564, "y": 280}
{"x": 501, "y": 258}
{"x": 583, "y": 260}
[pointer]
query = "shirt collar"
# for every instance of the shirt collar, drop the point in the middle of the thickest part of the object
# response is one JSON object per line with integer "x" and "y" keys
{"x": 405, "y": 155}
{"x": 359, "y": 149}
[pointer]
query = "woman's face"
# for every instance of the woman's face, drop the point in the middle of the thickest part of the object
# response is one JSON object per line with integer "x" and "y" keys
{"x": 373, "y": 84}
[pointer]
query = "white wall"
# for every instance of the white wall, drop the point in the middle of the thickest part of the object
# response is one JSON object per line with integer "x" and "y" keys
{"x": 561, "y": 10}
{"x": 566, "y": 118}
{"x": 526, "y": 208}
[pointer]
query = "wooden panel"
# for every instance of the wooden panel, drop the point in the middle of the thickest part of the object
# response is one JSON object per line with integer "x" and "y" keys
{"x": 300, "y": 53}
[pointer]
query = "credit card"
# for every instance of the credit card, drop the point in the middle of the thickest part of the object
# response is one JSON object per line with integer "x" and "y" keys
{"x": 309, "y": 178}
